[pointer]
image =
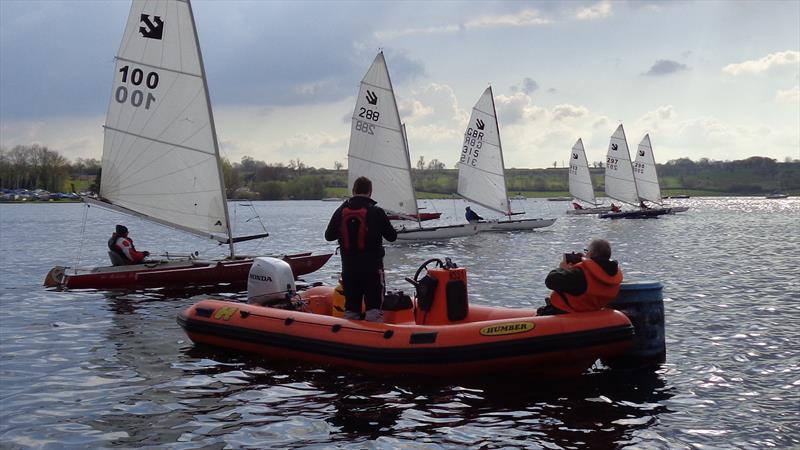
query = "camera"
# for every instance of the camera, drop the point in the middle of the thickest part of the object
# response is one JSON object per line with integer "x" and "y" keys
{"x": 573, "y": 258}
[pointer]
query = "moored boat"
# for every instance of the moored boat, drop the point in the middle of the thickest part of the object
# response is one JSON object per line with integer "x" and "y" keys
{"x": 438, "y": 334}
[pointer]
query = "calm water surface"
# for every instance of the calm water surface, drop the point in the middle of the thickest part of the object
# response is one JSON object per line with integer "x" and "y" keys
{"x": 114, "y": 370}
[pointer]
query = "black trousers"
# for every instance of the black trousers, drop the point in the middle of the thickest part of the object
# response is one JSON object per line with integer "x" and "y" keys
{"x": 366, "y": 286}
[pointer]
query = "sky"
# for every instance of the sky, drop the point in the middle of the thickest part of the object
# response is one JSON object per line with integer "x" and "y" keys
{"x": 706, "y": 79}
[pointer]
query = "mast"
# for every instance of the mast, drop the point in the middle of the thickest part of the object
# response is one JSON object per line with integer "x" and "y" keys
{"x": 405, "y": 142}
{"x": 408, "y": 158}
{"x": 213, "y": 131}
{"x": 500, "y": 144}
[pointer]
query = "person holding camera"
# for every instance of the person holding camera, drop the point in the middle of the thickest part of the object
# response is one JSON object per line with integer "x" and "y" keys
{"x": 583, "y": 282}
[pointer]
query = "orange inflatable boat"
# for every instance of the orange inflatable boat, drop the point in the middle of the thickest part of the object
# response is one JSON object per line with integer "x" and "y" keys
{"x": 436, "y": 334}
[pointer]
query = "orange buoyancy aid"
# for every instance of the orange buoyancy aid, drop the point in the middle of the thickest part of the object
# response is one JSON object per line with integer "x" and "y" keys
{"x": 601, "y": 288}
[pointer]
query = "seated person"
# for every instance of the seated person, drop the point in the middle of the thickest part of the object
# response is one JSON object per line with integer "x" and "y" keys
{"x": 576, "y": 205}
{"x": 588, "y": 285}
{"x": 472, "y": 216}
{"x": 121, "y": 245}
{"x": 615, "y": 208}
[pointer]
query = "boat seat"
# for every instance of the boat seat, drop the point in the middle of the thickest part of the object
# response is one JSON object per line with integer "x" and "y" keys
{"x": 116, "y": 259}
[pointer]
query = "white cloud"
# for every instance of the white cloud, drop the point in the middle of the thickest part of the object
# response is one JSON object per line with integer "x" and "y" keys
{"x": 788, "y": 95}
{"x": 755, "y": 66}
{"x": 565, "y": 111}
{"x": 391, "y": 34}
{"x": 524, "y": 18}
{"x": 599, "y": 10}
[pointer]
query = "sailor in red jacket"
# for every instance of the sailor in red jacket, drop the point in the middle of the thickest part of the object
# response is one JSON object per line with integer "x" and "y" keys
{"x": 587, "y": 285}
{"x": 122, "y": 245}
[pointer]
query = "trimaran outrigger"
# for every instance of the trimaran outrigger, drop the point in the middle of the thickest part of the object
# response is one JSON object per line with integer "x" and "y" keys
{"x": 161, "y": 157}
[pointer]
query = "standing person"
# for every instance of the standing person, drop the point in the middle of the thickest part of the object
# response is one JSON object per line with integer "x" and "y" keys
{"x": 472, "y": 216}
{"x": 587, "y": 284}
{"x": 360, "y": 226}
{"x": 122, "y": 245}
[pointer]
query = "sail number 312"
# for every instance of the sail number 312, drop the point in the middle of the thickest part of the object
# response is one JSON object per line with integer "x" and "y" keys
{"x": 136, "y": 96}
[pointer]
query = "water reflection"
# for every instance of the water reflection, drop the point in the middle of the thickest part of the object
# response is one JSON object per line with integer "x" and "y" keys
{"x": 92, "y": 370}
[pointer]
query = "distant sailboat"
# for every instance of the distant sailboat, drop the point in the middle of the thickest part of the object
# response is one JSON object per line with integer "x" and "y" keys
{"x": 481, "y": 171}
{"x": 619, "y": 180}
{"x": 378, "y": 150}
{"x": 580, "y": 183}
{"x": 647, "y": 184}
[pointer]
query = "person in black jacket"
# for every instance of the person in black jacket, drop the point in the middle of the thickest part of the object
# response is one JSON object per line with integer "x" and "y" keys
{"x": 471, "y": 215}
{"x": 360, "y": 227}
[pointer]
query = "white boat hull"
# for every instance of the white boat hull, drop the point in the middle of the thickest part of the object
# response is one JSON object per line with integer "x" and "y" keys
{"x": 597, "y": 210}
{"x": 514, "y": 225}
{"x": 437, "y": 233}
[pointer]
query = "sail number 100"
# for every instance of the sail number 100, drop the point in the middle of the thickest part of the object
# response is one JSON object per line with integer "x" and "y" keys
{"x": 137, "y": 96}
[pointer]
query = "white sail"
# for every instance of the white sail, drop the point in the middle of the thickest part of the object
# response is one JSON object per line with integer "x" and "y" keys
{"x": 644, "y": 170}
{"x": 377, "y": 145}
{"x": 580, "y": 180}
{"x": 620, "y": 184}
{"x": 160, "y": 154}
{"x": 481, "y": 172}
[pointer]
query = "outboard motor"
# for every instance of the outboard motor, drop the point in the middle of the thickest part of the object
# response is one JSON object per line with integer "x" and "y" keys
{"x": 270, "y": 281}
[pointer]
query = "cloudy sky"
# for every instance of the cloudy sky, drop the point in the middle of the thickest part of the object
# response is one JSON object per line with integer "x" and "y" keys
{"x": 710, "y": 79}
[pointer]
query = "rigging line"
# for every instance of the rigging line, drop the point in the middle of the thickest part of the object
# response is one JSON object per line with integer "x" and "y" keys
{"x": 484, "y": 112}
{"x": 481, "y": 170}
{"x": 164, "y": 130}
{"x": 83, "y": 231}
{"x": 376, "y": 163}
{"x": 396, "y": 130}
{"x": 161, "y": 175}
{"x": 365, "y": 83}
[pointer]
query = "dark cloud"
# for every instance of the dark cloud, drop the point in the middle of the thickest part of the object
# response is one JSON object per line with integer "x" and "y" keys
{"x": 58, "y": 57}
{"x": 528, "y": 86}
{"x": 665, "y": 67}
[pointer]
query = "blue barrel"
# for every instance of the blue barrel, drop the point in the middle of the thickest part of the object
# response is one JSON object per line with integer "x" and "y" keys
{"x": 643, "y": 303}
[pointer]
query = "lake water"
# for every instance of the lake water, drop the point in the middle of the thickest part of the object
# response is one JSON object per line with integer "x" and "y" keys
{"x": 114, "y": 370}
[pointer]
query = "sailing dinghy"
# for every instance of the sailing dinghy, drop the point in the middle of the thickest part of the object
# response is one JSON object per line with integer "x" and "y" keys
{"x": 481, "y": 171}
{"x": 644, "y": 171}
{"x": 379, "y": 151}
{"x": 580, "y": 183}
{"x": 161, "y": 155}
{"x": 620, "y": 181}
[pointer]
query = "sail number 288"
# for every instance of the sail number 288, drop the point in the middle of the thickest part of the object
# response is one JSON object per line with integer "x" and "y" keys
{"x": 137, "y": 78}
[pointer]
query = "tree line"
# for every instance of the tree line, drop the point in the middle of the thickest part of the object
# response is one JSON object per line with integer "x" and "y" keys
{"x": 35, "y": 166}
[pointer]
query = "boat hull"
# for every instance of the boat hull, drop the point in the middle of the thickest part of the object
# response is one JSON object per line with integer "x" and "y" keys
{"x": 490, "y": 341}
{"x": 636, "y": 214}
{"x": 584, "y": 211}
{"x": 437, "y": 233}
{"x": 677, "y": 209}
{"x": 421, "y": 216}
{"x": 514, "y": 225}
{"x": 173, "y": 273}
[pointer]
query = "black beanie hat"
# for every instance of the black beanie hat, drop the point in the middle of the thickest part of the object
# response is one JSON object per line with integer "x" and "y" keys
{"x": 121, "y": 229}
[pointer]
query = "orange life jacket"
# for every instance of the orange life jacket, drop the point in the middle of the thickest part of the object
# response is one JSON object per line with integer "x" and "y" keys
{"x": 601, "y": 288}
{"x": 354, "y": 221}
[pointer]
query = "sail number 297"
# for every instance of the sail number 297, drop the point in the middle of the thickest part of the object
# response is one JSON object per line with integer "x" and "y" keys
{"x": 136, "y": 77}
